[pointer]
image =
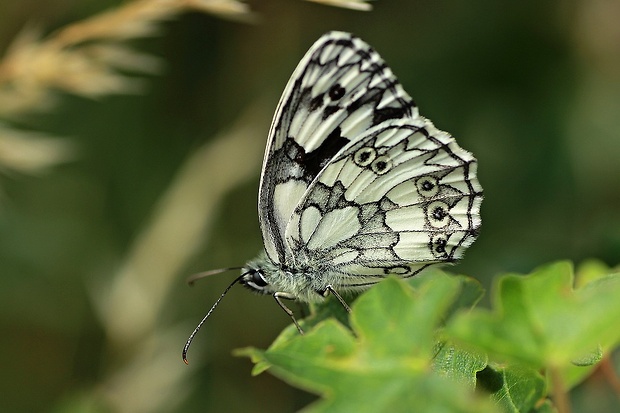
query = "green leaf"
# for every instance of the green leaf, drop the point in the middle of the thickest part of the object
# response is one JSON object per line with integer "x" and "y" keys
{"x": 407, "y": 317}
{"x": 384, "y": 363}
{"x": 458, "y": 364}
{"x": 590, "y": 270}
{"x": 397, "y": 355}
{"x": 515, "y": 389}
{"x": 589, "y": 359}
{"x": 470, "y": 291}
{"x": 541, "y": 320}
{"x": 601, "y": 312}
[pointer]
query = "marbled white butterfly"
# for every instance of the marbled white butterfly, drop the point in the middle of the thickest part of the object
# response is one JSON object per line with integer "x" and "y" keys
{"x": 355, "y": 184}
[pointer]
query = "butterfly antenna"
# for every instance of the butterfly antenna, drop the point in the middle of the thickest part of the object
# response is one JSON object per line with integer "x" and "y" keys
{"x": 192, "y": 279}
{"x": 191, "y": 337}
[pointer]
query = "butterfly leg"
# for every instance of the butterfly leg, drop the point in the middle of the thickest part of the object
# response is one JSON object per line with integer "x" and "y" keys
{"x": 278, "y": 295}
{"x": 330, "y": 290}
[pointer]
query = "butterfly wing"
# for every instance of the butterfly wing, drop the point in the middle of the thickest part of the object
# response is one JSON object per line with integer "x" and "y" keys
{"x": 340, "y": 89}
{"x": 400, "y": 198}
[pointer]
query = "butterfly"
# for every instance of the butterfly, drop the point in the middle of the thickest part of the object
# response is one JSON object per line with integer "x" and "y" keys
{"x": 355, "y": 184}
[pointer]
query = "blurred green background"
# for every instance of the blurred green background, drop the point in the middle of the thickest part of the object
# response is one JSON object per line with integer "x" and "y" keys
{"x": 531, "y": 88}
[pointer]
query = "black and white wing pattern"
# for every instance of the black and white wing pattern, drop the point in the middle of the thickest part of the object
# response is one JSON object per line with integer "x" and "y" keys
{"x": 401, "y": 197}
{"x": 339, "y": 91}
{"x": 355, "y": 185}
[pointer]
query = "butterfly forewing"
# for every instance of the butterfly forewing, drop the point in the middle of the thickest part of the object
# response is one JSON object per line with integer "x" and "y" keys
{"x": 340, "y": 89}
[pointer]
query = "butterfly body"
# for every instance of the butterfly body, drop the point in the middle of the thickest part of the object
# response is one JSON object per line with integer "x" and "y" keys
{"x": 356, "y": 185}
{"x": 301, "y": 282}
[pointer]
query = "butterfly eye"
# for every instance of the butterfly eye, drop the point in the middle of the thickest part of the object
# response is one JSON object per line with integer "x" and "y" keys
{"x": 427, "y": 186}
{"x": 336, "y": 92}
{"x": 364, "y": 156}
{"x": 254, "y": 280}
{"x": 258, "y": 280}
{"x": 381, "y": 165}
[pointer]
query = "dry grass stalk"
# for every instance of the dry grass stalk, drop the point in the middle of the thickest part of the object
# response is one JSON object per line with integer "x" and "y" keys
{"x": 86, "y": 59}
{"x": 152, "y": 376}
{"x": 347, "y": 4}
{"x": 29, "y": 152}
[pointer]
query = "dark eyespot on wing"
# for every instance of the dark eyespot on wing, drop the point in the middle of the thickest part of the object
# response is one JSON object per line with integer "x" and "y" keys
{"x": 336, "y": 92}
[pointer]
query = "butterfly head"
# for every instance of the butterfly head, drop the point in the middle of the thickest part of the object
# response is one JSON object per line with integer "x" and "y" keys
{"x": 255, "y": 275}
{"x": 263, "y": 276}
{"x": 254, "y": 279}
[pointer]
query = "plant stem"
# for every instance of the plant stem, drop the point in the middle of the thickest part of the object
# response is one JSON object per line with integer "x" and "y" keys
{"x": 560, "y": 397}
{"x": 610, "y": 374}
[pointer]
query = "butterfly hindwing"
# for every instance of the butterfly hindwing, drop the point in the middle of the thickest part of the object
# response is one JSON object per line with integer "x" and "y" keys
{"x": 403, "y": 196}
{"x": 340, "y": 89}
